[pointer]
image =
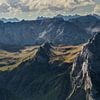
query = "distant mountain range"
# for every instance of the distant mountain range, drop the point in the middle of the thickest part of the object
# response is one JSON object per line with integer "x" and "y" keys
{"x": 90, "y": 23}
{"x": 9, "y": 20}
{"x": 66, "y": 18}
{"x": 56, "y": 30}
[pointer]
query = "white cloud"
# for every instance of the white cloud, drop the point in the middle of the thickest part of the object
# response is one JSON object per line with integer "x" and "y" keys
{"x": 97, "y": 9}
{"x": 56, "y": 6}
{"x": 4, "y": 8}
{"x": 44, "y": 7}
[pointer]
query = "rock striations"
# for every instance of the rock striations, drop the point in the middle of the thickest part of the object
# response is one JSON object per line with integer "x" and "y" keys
{"x": 85, "y": 74}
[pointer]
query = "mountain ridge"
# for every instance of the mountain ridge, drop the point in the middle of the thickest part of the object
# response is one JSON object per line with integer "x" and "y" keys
{"x": 55, "y": 30}
{"x": 49, "y": 71}
{"x": 85, "y": 72}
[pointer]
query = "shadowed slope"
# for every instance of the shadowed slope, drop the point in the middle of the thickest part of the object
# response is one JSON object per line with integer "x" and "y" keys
{"x": 37, "y": 78}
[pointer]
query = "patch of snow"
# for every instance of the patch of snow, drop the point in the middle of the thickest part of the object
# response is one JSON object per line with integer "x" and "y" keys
{"x": 41, "y": 35}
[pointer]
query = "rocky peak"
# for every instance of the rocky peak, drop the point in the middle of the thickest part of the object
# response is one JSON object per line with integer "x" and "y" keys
{"x": 47, "y": 46}
{"x": 44, "y": 52}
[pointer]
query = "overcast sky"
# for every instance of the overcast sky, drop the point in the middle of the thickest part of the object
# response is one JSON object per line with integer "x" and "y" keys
{"x": 30, "y": 9}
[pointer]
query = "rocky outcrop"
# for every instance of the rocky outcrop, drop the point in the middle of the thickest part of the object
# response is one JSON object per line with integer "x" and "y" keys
{"x": 44, "y": 53}
{"x": 85, "y": 74}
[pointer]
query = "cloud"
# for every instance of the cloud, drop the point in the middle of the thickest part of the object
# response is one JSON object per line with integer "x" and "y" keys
{"x": 4, "y": 8}
{"x": 54, "y": 6}
{"x": 14, "y": 3}
{"x": 43, "y": 6}
{"x": 18, "y": 5}
{"x": 97, "y": 9}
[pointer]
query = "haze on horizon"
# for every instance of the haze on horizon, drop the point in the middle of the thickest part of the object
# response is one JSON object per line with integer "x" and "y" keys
{"x": 30, "y": 9}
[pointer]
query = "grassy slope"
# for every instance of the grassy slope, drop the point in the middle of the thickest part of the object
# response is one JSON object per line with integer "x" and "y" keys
{"x": 33, "y": 82}
{"x": 10, "y": 60}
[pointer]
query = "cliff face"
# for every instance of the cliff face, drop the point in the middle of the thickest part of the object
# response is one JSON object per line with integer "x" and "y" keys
{"x": 85, "y": 74}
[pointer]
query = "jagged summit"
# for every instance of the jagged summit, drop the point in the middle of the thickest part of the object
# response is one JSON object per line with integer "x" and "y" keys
{"x": 47, "y": 45}
{"x": 44, "y": 52}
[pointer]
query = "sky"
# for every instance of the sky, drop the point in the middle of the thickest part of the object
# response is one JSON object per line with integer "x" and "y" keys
{"x": 31, "y": 9}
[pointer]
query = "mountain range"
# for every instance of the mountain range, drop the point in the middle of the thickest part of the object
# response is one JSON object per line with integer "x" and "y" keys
{"x": 50, "y": 59}
{"x": 90, "y": 23}
{"x": 66, "y": 18}
{"x": 9, "y": 20}
{"x": 48, "y": 72}
{"x": 56, "y": 30}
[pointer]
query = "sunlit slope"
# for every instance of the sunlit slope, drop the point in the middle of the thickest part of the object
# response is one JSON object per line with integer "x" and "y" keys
{"x": 38, "y": 72}
{"x": 10, "y": 60}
